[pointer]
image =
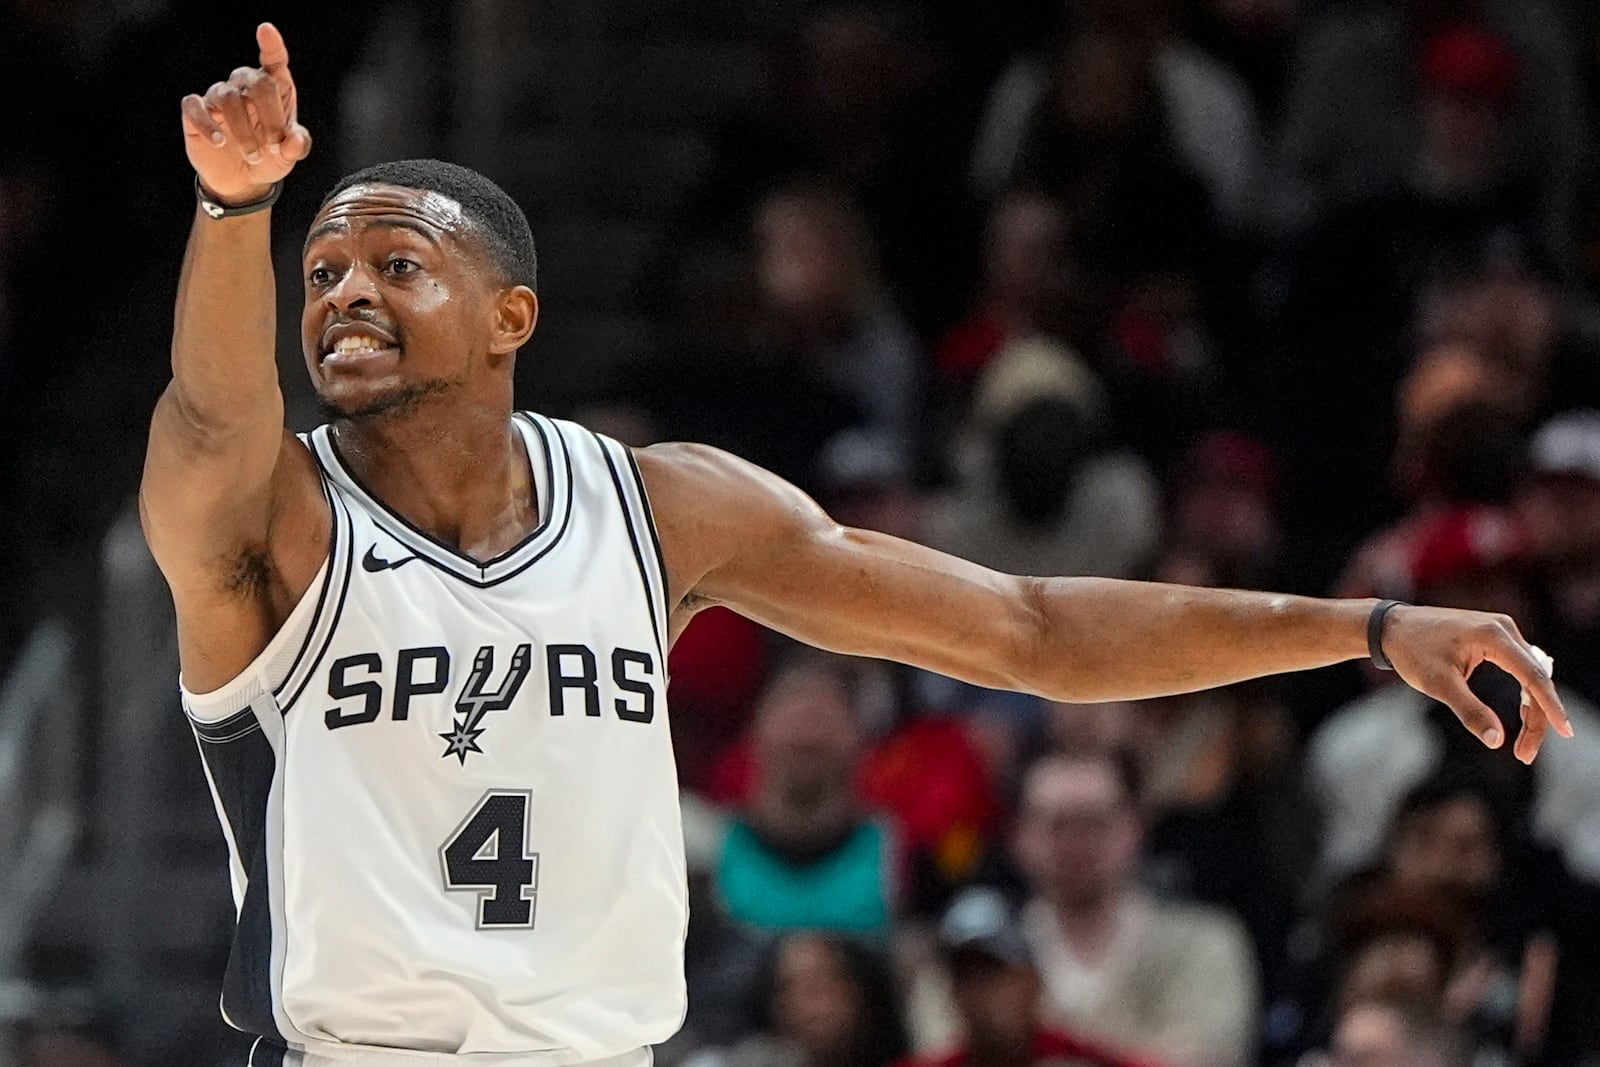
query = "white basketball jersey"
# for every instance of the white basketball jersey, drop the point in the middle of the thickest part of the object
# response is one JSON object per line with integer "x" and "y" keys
{"x": 448, "y": 786}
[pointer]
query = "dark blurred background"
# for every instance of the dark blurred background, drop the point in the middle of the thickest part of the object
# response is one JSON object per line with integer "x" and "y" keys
{"x": 1290, "y": 294}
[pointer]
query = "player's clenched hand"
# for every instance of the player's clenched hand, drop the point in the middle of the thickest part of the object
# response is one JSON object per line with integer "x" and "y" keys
{"x": 1437, "y": 649}
{"x": 243, "y": 134}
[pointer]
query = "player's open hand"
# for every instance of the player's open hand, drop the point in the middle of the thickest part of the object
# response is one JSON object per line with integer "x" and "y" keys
{"x": 244, "y": 133}
{"x": 1437, "y": 649}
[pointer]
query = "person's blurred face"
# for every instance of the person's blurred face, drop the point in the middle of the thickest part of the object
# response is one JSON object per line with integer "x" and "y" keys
{"x": 998, "y": 1004}
{"x": 1446, "y": 375}
{"x": 1509, "y": 322}
{"x": 805, "y": 259}
{"x": 1520, "y": 313}
{"x": 1405, "y": 967}
{"x": 1451, "y": 846}
{"x": 1372, "y": 1036}
{"x": 816, "y": 1004}
{"x": 1462, "y": 139}
{"x": 1024, "y": 249}
{"x": 1234, "y": 522}
{"x": 1078, "y": 836}
{"x": 807, "y": 737}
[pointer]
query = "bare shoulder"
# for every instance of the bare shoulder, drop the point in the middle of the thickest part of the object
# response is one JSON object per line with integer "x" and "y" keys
{"x": 710, "y": 504}
{"x": 700, "y": 491}
{"x": 687, "y": 480}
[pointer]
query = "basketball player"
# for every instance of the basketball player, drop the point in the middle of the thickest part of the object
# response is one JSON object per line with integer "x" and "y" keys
{"x": 424, "y": 647}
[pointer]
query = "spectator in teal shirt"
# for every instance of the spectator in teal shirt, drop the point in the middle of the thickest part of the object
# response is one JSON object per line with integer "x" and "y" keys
{"x": 803, "y": 853}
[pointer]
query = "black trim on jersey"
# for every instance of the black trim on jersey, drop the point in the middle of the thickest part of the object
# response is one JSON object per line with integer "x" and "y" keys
{"x": 560, "y": 500}
{"x": 232, "y": 728}
{"x": 638, "y": 551}
{"x": 241, "y": 772}
{"x": 265, "y": 1053}
{"x": 655, "y": 538}
{"x": 566, "y": 515}
{"x": 547, "y": 512}
{"x": 338, "y": 610}
{"x": 327, "y": 580}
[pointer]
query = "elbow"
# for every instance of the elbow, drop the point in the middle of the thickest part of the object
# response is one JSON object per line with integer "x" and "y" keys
{"x": 1049, "y": 644}
{"x": 1035, "y": 659}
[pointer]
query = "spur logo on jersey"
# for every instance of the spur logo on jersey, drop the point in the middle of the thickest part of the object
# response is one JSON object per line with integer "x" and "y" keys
{"x": 572, "y": 675}
{"x": 475, "y": 700}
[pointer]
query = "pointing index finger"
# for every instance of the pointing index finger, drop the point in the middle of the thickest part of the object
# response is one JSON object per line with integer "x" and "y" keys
{"x": 274, "y": 55}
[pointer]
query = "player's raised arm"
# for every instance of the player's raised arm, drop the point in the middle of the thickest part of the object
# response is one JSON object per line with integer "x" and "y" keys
{"x": 734, "y": 534}
{"x": 230, "y": 502}
{"x": 217, "y": 430}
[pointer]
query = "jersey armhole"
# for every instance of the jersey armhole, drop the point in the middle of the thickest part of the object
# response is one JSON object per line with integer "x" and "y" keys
{"x": 640, "y": 524}
{"x": 288, "y": 654}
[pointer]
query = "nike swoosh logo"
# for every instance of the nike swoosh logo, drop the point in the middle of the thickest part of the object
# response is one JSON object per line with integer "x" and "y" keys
{"x": 372, "y": 564}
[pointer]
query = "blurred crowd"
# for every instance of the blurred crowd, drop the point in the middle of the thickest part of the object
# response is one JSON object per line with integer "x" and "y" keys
{"x": 1252, "y": 293}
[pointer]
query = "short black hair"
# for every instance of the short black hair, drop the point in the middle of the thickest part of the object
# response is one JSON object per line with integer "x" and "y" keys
{"x": 499, "y": 222}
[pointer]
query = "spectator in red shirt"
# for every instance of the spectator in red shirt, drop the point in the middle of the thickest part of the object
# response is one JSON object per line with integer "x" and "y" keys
{"x": 996, "y": 991}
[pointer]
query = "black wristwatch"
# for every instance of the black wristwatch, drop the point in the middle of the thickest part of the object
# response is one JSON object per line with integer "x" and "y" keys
{"x": 218, "y": 210}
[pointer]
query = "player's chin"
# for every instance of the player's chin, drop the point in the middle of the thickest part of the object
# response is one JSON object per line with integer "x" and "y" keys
{"x": 365, "y": 399}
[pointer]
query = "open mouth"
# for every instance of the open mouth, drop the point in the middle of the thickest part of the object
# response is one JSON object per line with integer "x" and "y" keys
{"x": 354, "y": 342}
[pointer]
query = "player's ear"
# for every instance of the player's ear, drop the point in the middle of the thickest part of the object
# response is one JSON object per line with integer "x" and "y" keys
{"x": 516, "y": 314}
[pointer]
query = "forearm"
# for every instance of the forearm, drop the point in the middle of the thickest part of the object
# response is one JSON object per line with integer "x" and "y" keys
{"x": 1096, "y": 639}
{"x": 223, "y": 362}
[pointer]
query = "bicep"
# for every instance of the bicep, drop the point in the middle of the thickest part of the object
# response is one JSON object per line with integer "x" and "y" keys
{"x": 766, "y": 550}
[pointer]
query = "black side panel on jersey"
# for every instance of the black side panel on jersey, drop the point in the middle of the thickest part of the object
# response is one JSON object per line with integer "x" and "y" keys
{"x": 241, "y": 771}
{"x": 266, "y": 1053}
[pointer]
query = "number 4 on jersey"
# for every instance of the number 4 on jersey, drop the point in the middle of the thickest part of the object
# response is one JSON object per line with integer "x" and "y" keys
{"x": 488, "y": 854}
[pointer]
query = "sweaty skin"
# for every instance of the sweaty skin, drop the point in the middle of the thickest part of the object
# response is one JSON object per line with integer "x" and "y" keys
{"x": 234, "y": 511}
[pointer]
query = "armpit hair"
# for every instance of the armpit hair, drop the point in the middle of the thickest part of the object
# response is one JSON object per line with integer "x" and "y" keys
{"x": 250, "y": 572}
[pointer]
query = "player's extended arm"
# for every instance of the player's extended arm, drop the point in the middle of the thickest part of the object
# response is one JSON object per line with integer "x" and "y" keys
{"x": 734, "y": 534}
{"x": 217, "y": 431}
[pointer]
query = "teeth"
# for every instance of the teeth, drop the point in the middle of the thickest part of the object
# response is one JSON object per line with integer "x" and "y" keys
{"x": 357, "y": 343}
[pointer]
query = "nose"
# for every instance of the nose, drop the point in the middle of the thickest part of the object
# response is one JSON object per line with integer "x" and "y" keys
{"x": 357, "y": 289}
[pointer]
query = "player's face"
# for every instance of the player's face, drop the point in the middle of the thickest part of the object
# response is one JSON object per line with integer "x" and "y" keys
{"x": 400, "y": 301}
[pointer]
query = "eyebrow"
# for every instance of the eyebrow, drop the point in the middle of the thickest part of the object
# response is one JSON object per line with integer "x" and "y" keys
{"x": 333, "y": 226}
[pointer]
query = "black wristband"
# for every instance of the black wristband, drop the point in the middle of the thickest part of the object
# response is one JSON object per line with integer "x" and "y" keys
{"x": 218, "y": 210}
{"x": 1375, "y": 633}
